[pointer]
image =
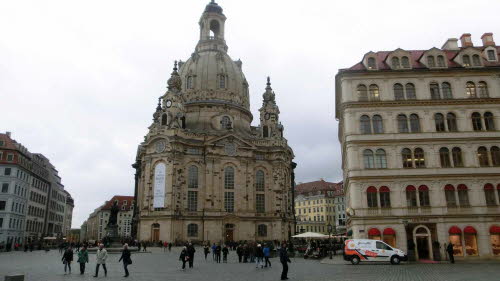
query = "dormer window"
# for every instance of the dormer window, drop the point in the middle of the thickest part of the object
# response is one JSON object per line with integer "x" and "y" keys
{"x": 405, "y": 61}
{"x": 431, "y": 62}
{"x": 395, "y": 63}
{"x": 372, "y": 63}
{"x": 476, "y": 60}
{"x": 440, "y": 61}
{"x": 491, "y": 55}
{"x": 466, "y": 60}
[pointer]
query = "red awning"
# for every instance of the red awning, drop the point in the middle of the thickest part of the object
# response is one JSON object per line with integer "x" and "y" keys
{"x": 470, "y": 230}
{"x": 410, "y": 188}
{"x": 374, "y": 232}
{"x": 423, "y": 188}
{"x": 384, "y": 189}
{"x": 494, "y": 229}
{"x": 389, "y": 231}
{"x": 371, "y": 189}
{"x": 454, "y": 230}
{"x": 449, "y": 187}
{"x": 489, "y": 186}
{"x": 461, "y": 187}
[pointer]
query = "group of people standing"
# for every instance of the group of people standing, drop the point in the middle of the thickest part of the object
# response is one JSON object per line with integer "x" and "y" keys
{"x": 187, "y": 255}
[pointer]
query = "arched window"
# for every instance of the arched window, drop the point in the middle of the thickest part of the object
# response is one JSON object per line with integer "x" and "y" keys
{"x": 225, "y": 122}
{"x": 164, "y": 120}
{"x": 434, "y": 89}
{"x": 365, "y": 124}
{"x": 193, "y": 176}
{"x": 192, "y": 230}
{"x": 362, "y": 93}
{"x": 229, "y": 177}
{"x": 398, "y": 92}
{"x": 495, "y": 156}
{"x": 423, "y": 195}
{"x": 374, "y": 92}
{"x": 482, "y": 154}
{"x": 378, "y": 126}
{"x": 451, "y": 121}
{"x": 489, "y": 121}
{"x": 405, "y": 62}
{"x": 456, "y": 153}
{"x": 476, "y": 121}
{"x": 491, "y": 55}
{"x": 466, "y": 60}
{"x": 189, "y": 82}
{"x": 371, "y": 196}
{"x": 402, "y": 123}
{"x": 222, "y": 81}
{"x": 395, "y": 62}
{"x": 414, "y": 123}
{"x": 440, "y": 61}
{"x": 419, "y": 158}
{"x": 385, "y": 197}
{"x": 380, "y": 159}
{"x": 368, "y": 159}
{"x": 482, "y": 88}
{"x": 262, "y": 230}
{"x": 489, "y": 194}
{"x": 430, "y": 61}
{"x": 476, "y": 60}
{"x": 411, "y": 196}
{"x": 449, "y": 194}
{"x": 446, "y": 88}
{"x": 407, "y": 158}
{"x": 410, "y": 91}
{"x": 371, "y": 63}
{"x": 439, "y": 121}
{"x": 463, "y": 195}
{"x": 444, "y": 157}
{"x": 470, "y": 88}
{"x": 259, "y": 180}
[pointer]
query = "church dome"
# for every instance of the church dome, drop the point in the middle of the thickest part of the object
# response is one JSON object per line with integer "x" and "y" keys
{"x": 213, "y": 7}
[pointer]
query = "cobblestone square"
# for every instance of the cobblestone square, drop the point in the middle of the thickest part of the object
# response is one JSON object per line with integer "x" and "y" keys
{"x": 159, "y": 265}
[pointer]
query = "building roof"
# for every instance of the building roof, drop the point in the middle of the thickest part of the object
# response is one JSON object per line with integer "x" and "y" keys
{"x": 121, "y": 199}
{"x": 319, "y": 187}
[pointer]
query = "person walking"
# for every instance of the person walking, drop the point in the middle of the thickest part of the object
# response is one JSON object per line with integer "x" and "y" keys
{"x": 259, "y": 256}
{"x": 214, "y": 252}
{"x": 170, "y": 247}
{"x": 126, "y": 259}
{"x": 284, "y": 259}
{"x": 267, "y": 255}
{"x": 184, "y": 257}
{"x": 83, "y": 258}
{"x": 217, "y": 253}
{"x": 191, "y": 251}
{"x": 165, "y": 245}
{"x": 449, "y": 249}
{"x": 101, "y": 257}
{"x": 239, "y": 252}
{"x": 246, "y": 253}
{"x": 67, "y": 258}
{"x": 144, "y": 246}
{"x": 206, "y": 251}
{"x": 225, "y": 251}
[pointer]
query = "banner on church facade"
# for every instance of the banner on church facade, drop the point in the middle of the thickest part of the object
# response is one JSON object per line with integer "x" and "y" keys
{"x": 159, "y": 186}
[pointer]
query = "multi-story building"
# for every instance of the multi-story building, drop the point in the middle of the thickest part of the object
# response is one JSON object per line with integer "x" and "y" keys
{"x": 57, "y": 203}
{"x": 83, "y": 232}
{"x": 420, "y": 140}
{"x": 98, "y": 220}
{"x": 26, "y": 186}
{"x": 315, "y": 207}
{"x": 203, "y": 171}
{"x": 68, "y": 214}
{"x": 340, "y": 208}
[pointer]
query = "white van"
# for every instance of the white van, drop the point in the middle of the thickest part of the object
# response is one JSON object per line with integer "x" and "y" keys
{"x": 357, "y": 250}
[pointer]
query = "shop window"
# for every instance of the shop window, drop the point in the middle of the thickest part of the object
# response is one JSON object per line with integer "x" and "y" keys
{"x": 470, "y": 239}
{"x": 374, "y": 234}
{"x": 390, "y": 237}
{"x": 455, "y": 237}
{"x": 495, "y": 239}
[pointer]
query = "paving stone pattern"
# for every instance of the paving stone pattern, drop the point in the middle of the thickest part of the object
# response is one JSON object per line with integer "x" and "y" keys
{"x": 159, "y": 265}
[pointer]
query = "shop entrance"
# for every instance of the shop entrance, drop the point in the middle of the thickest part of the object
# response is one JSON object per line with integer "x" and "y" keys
{"x": 422, "y": 240}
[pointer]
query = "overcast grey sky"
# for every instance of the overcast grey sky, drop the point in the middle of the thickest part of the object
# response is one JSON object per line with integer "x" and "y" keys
{"x": 79, "y": 80}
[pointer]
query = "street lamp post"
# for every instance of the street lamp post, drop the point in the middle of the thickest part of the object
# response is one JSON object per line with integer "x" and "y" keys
{"x": 330, "y": 228}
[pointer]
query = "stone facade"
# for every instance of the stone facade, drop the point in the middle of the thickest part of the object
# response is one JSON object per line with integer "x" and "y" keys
{"x": 203, "y": 172}
{"x": 420, "y": 145}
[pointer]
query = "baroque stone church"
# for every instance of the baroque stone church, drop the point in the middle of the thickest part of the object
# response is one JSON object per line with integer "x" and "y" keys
{"x": 203, "y": 172}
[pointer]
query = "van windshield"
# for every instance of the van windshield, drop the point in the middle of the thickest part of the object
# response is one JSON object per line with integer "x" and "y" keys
{"x": 383, "y": 246}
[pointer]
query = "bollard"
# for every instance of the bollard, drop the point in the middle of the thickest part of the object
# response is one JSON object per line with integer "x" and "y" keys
{"x": 17, "y": 277}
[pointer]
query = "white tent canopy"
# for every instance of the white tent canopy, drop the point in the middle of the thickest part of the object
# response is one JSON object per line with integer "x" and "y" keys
{"x": 310, "y": 235}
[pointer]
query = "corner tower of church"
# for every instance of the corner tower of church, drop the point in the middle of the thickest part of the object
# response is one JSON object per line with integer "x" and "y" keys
{"x": 203, "y": 173}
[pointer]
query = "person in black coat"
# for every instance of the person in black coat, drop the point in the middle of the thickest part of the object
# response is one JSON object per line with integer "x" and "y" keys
{"x": 218, "y": 250}
{"x": 67, "y": 258}
{"x": 284, "y": 259}
{"x": 126, "y": 259}
{"x": 184, "y": 257}
{"x": 449, "y": 249}
{"x": 239, "y": 252}
{"x": 225, "y": 251}
{"x": 191, "y": 251}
